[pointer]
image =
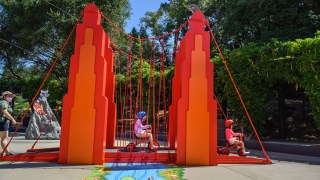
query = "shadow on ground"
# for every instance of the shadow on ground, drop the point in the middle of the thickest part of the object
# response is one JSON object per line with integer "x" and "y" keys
{"x": 44, "y": 165}
{"x": 275, "y": 156}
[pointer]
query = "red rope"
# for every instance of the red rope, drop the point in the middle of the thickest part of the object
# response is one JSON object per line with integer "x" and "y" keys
{"x": 42, "y": 84}
{"x": 135, "y": 57}
{"x": 138, "y": 92}
{"x": 151, "y": 82}
{"x": 130, "y": 63}
{"x": 130, "y": 84}
{"x": 122, "y": 111}
{"x": 153, "y": 88}
{"x": 153, "y": 100}
{"x": 164, "y": 100}
{"x": 235, "y": 87}
{"x": 142, "y": 39}
{"x": 220, "y": 107}
{"x": 139, "y": 89}
{"x": 162, "y": 83}
{"x": 118, "y": 95}
{"x": 159, "y": 93}
{"x": 149, "y": 90}
{"x": 114, "y": 39}
{"x": 140, "y": 74}
{"x": 159, "y": 97}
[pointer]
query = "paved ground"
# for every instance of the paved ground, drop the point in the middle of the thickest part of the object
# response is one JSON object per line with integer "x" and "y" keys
{"x": 285, "y": 166}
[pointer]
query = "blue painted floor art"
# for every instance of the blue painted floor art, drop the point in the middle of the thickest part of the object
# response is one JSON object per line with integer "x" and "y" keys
{"x": 143, "y": 171}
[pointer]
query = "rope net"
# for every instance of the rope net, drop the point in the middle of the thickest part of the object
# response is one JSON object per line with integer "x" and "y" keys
{"x": 159, "y": 107}
{"x": 142, "y": 79}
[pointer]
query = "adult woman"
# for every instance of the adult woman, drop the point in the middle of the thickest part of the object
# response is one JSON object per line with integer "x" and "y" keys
{"x": 5, "y": 118}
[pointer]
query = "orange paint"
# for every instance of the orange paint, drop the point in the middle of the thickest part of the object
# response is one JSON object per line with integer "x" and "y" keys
{"x": 83, "y": 113}
{"x": 85, "y": 106}
{"x": 68, "y": 98}
{"x": 100, "y": 99}
{"x": 176, "y": 95}
{"x": 183, "y": 74}
{"x": 104, "y": 100}
{"x": 197, "y": 115}
{"x": 193, "y": 105}
{"x": 110, "y": 91}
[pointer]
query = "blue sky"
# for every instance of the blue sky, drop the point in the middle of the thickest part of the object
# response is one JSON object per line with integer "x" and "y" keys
{"x": 139, "y": 8}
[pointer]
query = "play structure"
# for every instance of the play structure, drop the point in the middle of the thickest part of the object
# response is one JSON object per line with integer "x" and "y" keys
{"x": 92, "y": 132}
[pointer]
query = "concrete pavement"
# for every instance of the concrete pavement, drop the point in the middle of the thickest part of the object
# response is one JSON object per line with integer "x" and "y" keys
{"x": 279, "y": 170}
{"x": 48, "y": 171}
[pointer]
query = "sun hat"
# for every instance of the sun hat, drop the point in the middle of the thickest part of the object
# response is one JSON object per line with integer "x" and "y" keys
{"x": 8, "y": 93}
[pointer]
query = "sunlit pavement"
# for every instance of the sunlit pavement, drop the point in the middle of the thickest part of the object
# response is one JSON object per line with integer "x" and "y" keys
{"x": 285, "y": 166}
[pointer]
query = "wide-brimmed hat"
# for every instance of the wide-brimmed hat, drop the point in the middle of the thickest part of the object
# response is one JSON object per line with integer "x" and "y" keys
{"x": 8, "y": 93}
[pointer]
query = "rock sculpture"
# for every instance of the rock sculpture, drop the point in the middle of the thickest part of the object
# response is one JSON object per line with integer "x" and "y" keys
{"x": 40, "y": 118}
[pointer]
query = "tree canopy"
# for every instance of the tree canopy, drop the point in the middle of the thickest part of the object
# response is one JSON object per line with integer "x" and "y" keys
{"x": 260, "y": 70}
{"x": 32, "y": 33}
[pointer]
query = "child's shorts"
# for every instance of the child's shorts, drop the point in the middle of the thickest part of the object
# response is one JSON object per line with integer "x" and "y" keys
{"x": 231, "y": 141}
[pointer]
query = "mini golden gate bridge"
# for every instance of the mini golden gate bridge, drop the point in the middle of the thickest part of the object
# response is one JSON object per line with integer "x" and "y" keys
{"x": 92, "y": 132}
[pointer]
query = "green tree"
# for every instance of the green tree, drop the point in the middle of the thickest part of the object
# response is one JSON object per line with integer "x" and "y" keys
{"x": 32, "y": 33}
{"x": 260, "y": 69}
{"x": 240, "y": 21}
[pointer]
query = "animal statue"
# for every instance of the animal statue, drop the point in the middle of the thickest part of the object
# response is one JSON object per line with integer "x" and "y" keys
{"x": 193, "y": 8}
{"x": 37, "y": 106}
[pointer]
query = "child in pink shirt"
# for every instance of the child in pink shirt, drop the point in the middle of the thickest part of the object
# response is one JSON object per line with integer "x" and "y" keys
{"x": 232, "y": 137}
{"x": 142, "y": 131}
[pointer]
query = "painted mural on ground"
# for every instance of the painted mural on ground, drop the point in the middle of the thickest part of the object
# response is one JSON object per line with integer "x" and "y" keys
{"x": 136, "y": 171}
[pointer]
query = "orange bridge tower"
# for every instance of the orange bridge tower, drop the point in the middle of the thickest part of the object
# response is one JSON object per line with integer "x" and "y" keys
{"x": 88, "y": 118}
{"x": 193, "y": 113}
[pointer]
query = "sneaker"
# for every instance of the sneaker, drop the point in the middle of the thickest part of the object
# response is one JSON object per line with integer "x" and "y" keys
{"x": 9, "y": 154}
{"x": 246, "y": 153}
{"x": 155, "y": 147}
